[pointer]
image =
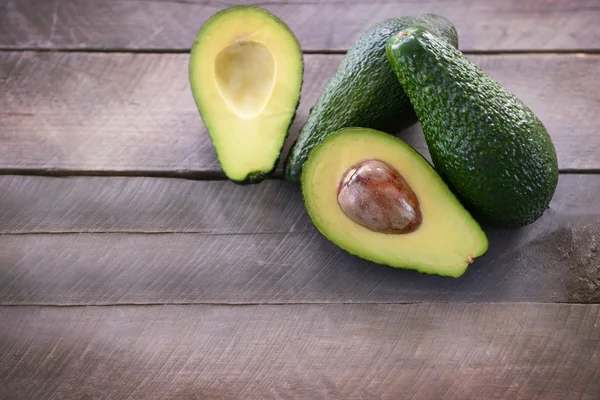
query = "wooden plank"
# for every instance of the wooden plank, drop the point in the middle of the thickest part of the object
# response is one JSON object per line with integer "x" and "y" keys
{"x": 134, "y": 113}
{"x": 34, "y": 204}
{"x": 243, "y": 258}
{"x": 426, "y": 351}
{"x": 322, "y": 25}
{"x": 118, "y": 112}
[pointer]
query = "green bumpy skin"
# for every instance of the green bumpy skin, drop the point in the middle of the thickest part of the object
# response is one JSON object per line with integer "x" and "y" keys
{"x": 364, "y": 91}
{"x": 489, "y": 147}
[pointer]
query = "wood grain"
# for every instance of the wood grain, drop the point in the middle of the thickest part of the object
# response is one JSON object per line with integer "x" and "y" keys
{"x": 34, "y": 204}
{"x": 115, "y": 113}
{"x": 426, "y": 351}
{"x": 261, "y": 250}
{"x": 134, "y": 114}
{"x": 320, "y": 25}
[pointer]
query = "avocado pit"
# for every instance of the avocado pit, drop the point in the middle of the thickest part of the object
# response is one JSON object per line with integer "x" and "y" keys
{"x": 376, "y": 196}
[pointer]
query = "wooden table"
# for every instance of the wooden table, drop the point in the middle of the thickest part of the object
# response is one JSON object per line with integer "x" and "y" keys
{"x": 130, "y": 268}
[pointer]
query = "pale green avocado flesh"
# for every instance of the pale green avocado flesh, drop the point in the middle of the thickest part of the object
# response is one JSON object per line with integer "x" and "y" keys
{"x": 245, "y": 72}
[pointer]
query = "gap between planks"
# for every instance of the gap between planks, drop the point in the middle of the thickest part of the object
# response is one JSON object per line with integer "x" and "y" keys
{"x": 298, "y": 304}
{"x": 197, "y": 233}
{"x": 214, "y": 175}
{"x": 188, "y": 175}
{"x": 310, "y": 52}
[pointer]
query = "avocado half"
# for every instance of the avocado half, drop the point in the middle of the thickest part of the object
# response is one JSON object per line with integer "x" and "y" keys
{"x": 245, "y": 72}
{"x": 448, "y": 238}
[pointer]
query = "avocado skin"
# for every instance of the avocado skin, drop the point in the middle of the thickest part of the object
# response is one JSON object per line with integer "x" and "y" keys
{"x": 489, "y": 147}
{"x": 364, "y": 91}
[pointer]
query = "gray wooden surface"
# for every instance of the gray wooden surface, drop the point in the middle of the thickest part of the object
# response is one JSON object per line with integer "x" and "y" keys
{"x": 161, "y": 280}
{"x": 351, "y": 351}
{"x": 148, "y": 240}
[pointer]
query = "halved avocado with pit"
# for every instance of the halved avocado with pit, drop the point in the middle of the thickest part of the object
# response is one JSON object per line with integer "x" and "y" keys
{"x": 246, "y": 71}
{"x": 373, "y": 195}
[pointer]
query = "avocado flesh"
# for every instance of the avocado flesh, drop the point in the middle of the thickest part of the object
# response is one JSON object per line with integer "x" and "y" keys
{"x": 490, "y": 148}
{"x": 246, "y": 71}
{"x": 445, "y": 243}
{"x": 364, "y": 91}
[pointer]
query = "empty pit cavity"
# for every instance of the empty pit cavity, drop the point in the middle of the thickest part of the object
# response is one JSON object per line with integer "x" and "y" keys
{"x": 245, "y": 74}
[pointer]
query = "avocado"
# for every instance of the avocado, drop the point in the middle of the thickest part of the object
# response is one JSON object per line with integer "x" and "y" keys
{"x": 373, "y": 195}
{"x": 245, "y": 72}
{"x": 487, "y": 145}
{"x": 364, "y": 91}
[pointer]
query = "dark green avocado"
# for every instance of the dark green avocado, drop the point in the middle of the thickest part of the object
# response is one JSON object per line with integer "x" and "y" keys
{"x": 364, "y": 91}
{"x": 489, "y": 147}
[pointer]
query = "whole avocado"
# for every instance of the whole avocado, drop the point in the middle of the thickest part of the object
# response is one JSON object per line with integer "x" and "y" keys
{"x": 364, "y": 91}
{"x": 490, "y": 148}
